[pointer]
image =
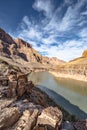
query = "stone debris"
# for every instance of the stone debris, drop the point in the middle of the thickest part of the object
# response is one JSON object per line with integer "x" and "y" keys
{"x": 23, "y": 107}
{"x": 8, "y": 116}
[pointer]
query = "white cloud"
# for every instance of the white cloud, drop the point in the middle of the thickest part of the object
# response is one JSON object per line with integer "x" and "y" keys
{"x": 71, "y": 49}
{"x": 69, "y": 1}
{"x": 83, "y": 33}
{"x": 49, "y": 40}
{"x": 73, "y": 43}
{"x": 56, "y": 26}
{"x": 84, "y": 13}
{"x": 26, "y": 21}
{"x": 68, "y": 20}
{"x": 64, "y": 51}
{"x": 45, "y": 6}
{"x": 71, "y": 17}
{"x": 29, "y": 30}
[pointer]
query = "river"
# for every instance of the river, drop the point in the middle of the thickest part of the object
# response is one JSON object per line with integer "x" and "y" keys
{"x": 68, "y": 93}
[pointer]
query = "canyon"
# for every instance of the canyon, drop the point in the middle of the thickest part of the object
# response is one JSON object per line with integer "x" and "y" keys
{"x": 24, "y": 106}
{"x": 21, "y": 54}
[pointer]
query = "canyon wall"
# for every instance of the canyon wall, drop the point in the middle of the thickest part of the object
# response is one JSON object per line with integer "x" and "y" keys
{"x": 76, "y": 69}
{"x": 22, "y": 52}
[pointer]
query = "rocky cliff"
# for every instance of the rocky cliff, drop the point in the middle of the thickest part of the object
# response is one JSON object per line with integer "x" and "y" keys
{"x": 25, "y": 107}
{"x": 21, "y": 52}
{"x": 75, "y": 69}
{"x": 22, "y": 105}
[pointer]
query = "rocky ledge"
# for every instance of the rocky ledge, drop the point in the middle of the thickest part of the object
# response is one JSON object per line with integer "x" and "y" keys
{"x": 24, "y": 107}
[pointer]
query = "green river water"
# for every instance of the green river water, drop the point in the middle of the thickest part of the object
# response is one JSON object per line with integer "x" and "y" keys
{"x": 68, "y": 93}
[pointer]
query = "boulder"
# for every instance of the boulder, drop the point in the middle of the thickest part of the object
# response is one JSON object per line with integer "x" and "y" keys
{"x": 50, "y": 117}
{"x": 23, "y": 121}
{"x": 8, "y": 116}
{"x": 32, "y": 120}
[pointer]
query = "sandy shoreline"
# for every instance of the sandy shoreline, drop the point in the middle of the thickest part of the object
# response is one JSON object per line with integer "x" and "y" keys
{"x": 75, "y": 77}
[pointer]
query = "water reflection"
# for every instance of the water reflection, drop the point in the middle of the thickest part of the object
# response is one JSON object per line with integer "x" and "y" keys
{"x": 73, "y": 85}
{"x": 60, "y": 100}
{"x": 74, "y": 91}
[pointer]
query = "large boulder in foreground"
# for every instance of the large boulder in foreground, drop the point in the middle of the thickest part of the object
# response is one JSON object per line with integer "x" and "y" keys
{"x": 8, "y": 116}
{"x": 51, "y": 117}
{"x": 27, "y": 121}
{"x": 22, "y": 122}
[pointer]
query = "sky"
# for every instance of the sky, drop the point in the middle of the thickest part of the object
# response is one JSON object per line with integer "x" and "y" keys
{"x": 55, "y": 28}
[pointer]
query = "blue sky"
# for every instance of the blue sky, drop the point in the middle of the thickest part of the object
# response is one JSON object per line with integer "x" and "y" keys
{"x": 55, "y": 28}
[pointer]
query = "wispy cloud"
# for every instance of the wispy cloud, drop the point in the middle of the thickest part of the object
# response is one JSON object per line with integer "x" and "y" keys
{"x": 61, "y": 32}
{"x": 83, "y": 33}
{"x": 45, "y": 6}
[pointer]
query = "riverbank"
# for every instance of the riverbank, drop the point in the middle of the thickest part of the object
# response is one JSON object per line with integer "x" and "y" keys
{"x": 69, "y": 76}
{"x": 31, "y": 108}
{"x": 66, "y": 92}
{"x": 66, "y": 115}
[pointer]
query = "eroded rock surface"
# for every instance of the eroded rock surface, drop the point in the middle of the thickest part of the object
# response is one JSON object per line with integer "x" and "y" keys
{"x": 50, "y": 117}
{"x": 8, "y": 116}
{"x": 23, "y": 107}
{"x": 15, "y": 88}
{"x": 5, "y": 103}
{"x": 22, "y": 122}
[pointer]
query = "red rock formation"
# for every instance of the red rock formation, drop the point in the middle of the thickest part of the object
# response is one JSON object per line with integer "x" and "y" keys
{"x": 23, "y": 51}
